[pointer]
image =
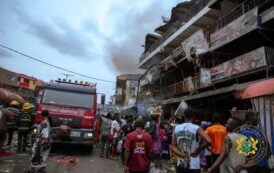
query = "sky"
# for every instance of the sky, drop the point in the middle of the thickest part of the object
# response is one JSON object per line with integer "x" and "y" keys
{"x": 100, "y": 38}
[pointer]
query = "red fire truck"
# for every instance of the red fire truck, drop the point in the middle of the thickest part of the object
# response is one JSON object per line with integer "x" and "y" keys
{"x": 71, "y": 104}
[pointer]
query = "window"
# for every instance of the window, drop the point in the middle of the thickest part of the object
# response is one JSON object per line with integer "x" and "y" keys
{"x": 26, "y": 81}
{"x": 11, "y": 77}
{"x": 68, "y": 98}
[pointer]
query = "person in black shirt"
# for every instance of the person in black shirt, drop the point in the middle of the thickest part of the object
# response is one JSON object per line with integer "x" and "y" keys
{"x": 24, "y": 124}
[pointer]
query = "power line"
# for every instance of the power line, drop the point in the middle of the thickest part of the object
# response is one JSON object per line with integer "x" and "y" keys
{"x": 61, "y": 68}
{"x": 108, "y": 87}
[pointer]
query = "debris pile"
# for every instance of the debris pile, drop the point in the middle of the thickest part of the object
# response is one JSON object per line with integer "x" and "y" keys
{"x": 67, "y": 160}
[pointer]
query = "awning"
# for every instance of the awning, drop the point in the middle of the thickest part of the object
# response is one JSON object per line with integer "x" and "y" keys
{"x": 257, "y": 89}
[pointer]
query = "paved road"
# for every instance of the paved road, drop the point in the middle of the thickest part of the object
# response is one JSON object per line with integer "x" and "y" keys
{"x": 86, "y": 163}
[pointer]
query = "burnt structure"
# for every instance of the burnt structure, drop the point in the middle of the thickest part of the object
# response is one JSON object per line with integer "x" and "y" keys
{"x": 205, "y": 52}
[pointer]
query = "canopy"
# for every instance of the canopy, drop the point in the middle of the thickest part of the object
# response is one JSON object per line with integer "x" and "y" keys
{"x": 257, "y": 89}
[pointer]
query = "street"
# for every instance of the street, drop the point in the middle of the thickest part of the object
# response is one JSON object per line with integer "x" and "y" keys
{"x": 85, "y": 163}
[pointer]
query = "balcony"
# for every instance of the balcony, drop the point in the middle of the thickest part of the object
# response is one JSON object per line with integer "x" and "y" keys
{"x": 251, "y": 62}
{"x": 241, "y": 20}
{"x": 192, "y": 12}
{"x": 187, "y": 85}
{"x": 195, "y": 8}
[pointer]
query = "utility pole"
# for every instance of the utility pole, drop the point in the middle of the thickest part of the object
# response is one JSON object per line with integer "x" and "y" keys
{"x": 67, "y": 75}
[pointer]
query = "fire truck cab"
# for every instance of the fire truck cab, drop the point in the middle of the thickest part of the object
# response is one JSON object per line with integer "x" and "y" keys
{"x": 71, "y": 104}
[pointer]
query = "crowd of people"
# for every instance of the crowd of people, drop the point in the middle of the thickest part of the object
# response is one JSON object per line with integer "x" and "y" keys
{"x": 15, "y": 117}
{"x": 191, "y": 146}
{"x": 20, "y": 119}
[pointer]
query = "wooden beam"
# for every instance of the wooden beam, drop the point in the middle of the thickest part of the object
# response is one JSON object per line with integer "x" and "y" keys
{"x": 181, "y": 60}
{"x": 198, "y": 25}
{"x": 211, "y": 17}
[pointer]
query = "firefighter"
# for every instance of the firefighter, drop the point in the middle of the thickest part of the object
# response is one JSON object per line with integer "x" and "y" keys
{"x": 24, "y": 124}
{"x": 14, "y": 105}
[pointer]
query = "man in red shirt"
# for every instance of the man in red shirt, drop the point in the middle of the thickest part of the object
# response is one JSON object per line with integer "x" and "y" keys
{"x": 139, "y": 146}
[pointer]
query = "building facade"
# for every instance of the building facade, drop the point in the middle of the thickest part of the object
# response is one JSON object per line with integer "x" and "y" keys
{"x": 27, "y": 82}
{"x": 8, "y": 79}
{"x": 205, "y": 53}
{"x": 126, "y": 93}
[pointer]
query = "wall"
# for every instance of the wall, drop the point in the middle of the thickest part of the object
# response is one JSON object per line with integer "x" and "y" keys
{"x": 8, "y": 78}
{"x": 26, "y": 82}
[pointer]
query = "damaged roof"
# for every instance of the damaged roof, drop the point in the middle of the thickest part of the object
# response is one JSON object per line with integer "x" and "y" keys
{"x": 150, "y": 39}
{"x": 177, "y": 14}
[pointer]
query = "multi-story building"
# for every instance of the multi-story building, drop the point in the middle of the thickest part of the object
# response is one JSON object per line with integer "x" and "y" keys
{"x": 27, "y": 86}
{"x": 27, "y": 82}
{"x": 206, "y": 53}
{"x": 126, "y": 92}
{"x": 8, "y": 79}
{"x": 20, "y": 83}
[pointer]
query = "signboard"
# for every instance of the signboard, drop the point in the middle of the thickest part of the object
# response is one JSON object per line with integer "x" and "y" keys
{"x": 235, "y": 29}
{"x": 150, "y": 75}
{"x": 190, "y": 85}
{"x": 251, "y": 60}
{"x": 195, "y": 44}
{"x": 171, "y": 59}
{"x": 217, "y": 72}
{"x": 248, "y": 61}
{"x": 131, "y": 92}
{"x": 141, "y": 109}
{"x": 205, "y": 77}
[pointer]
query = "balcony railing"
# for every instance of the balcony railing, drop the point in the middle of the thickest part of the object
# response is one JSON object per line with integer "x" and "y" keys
{"x": 236, "y": 13}
{"x": 245, "y": 64}
{"x": 269, "y": 57}
{"x": 187, "y": 85}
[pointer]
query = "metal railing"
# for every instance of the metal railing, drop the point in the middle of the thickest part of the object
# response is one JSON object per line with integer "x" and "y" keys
{"x": 269, "y": 56}
{"x": 236, "y": 13}
{"x": 184, "y": 86}
{"x": 267, "y": 61}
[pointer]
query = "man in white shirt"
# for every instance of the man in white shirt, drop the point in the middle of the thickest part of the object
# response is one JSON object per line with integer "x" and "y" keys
{"x": 114, "y": 133}
{"x": 185, "y": 145}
